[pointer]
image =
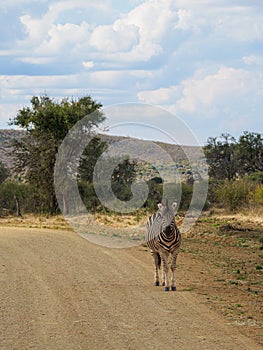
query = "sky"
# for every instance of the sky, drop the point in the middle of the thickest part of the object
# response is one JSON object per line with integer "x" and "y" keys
{"x": 200, "y": 62}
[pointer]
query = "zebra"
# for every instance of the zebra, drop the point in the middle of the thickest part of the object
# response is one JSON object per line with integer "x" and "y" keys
{"x": 163, "y": 238}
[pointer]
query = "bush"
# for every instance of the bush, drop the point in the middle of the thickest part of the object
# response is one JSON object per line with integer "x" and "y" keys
{"x": 256, "y": 177}
{"x": 257, "y": 195}
{"x": 180, "y": 193}
{"x": 234, "y": 194}
{"x": 27, "y": 196}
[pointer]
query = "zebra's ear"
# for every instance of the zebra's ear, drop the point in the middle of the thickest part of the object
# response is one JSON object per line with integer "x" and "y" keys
{"x": 174, "y": 205}
{"x": 160, "y": 206}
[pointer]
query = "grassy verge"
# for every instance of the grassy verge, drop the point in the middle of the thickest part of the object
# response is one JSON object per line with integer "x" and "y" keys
{"x": 227, "y": 269}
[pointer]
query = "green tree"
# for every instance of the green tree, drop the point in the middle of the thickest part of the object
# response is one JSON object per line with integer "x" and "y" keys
{"x": 250, "y": 153}
{"x": 47, "y": 122}
{"x": 221, "y": 156}
{"x": 228, "y": 158}
{"x": 89, "y": 158}
{"x": 122, "y": 178}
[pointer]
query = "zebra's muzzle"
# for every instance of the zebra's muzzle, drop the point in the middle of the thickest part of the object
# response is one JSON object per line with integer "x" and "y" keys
{"x": 168, "y": 231}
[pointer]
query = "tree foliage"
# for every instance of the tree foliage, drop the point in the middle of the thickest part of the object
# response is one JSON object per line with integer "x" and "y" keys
{"x": 250, "y": 153}
{"x": 220, "y": 154}
{"x": 229, "y": 159}
{"x": 89, "y": 158}
{"x": 47, "y": 122}
{"x": 122, "y": 178}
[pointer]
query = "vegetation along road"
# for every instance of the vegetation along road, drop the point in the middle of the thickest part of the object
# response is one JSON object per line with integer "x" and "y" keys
{"x": 59, "y": 291}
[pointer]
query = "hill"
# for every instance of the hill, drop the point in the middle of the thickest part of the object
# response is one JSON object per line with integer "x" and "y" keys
{"x": 6, "y": 137}
{"x": 177, "y": 153}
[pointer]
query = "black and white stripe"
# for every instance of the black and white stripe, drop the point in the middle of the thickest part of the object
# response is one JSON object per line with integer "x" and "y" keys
{"x": 164, "y": 239}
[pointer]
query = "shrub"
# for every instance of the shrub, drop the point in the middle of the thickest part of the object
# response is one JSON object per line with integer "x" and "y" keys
{"x": 28, "y": 197}
{"x": 256, "y": 177}
{"x": 234, "y": 194}
{"x": 257, "y": 195}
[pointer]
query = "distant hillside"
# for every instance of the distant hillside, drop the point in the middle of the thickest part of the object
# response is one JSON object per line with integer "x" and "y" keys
{"x": 6, "y": 136}
{"x": 177, "y": 153}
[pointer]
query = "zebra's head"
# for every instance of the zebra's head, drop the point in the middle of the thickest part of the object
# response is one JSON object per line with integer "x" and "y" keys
{"x": 167, "y": 213}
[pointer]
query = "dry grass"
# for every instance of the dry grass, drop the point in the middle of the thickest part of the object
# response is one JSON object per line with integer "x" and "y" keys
{"x": 250, "y": 216}
{"x": 36, "y": 221}
{"x": 116, "y": 220}
{"x": 122, "y": 220}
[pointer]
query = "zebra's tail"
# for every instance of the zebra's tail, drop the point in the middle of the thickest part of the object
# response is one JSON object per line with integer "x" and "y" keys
{"x": 159, "y": 260}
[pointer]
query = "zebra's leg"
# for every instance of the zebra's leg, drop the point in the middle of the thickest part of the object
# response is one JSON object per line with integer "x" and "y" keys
{"x": 173, "y": 267}
{"x": 164, "y": 257}
{"x": 157, "y": 263}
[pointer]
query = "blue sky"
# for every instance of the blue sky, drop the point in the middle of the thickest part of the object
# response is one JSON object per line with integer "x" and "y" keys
{"x": 201, "y": 61}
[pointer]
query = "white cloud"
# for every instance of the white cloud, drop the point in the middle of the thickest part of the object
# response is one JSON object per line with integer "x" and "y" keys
{"x": 41, "y": 28}
{"x": 134, "y": 36}
{"x": 223, "y": 88}
{"x": 14, "y": 3}
{"x": 17, "y": 90}
{"x": 64, "y": 37}
{"x": 20, "y": 88}
{"x": 38, "y": 60}
{"x": 36, "y": 29}
{"x": 109, "y": 78}
{"x": 200, "y": 59}
{"x": 88, "y": 64}
{"x": 160, "y": 96}
{"x": 228, "y": 92}
{"x": 221, "y": 20}
{"x": 25, "y": 81}
{"x": 8, "y": 111}
{"x": 242, "y": 24}
{"x": 116, "y": 38}
{"x": 154, "y": 19}
{"x": 253, "y": 60}
{"x": 184, "y": 19}
{"x": 239, "y": 123}
{"x": 139, "y": 34}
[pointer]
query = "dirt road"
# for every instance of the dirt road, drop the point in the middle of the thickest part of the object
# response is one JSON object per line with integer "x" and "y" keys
{"x": 59, "y": 291}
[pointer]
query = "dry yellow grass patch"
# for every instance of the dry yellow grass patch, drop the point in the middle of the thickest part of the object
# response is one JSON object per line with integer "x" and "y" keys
{"x": 250, "y": 216}
{"x": 121, "y": 220}
{"x": 35, "y": 221}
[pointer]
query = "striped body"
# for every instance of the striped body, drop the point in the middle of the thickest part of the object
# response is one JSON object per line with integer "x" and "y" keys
{"x": 164, "y": 239}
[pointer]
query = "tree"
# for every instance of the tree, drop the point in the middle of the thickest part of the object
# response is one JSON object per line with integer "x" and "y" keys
{"x": 122, "y": 179}
{"x": 47, "y": 122}
{"x": 250, "y": 153}
{"x": 229, "y": 159}
{"x": 116, "y": 174}
{"x": 221, "y": 157}
{"x": 89, "y": 158}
